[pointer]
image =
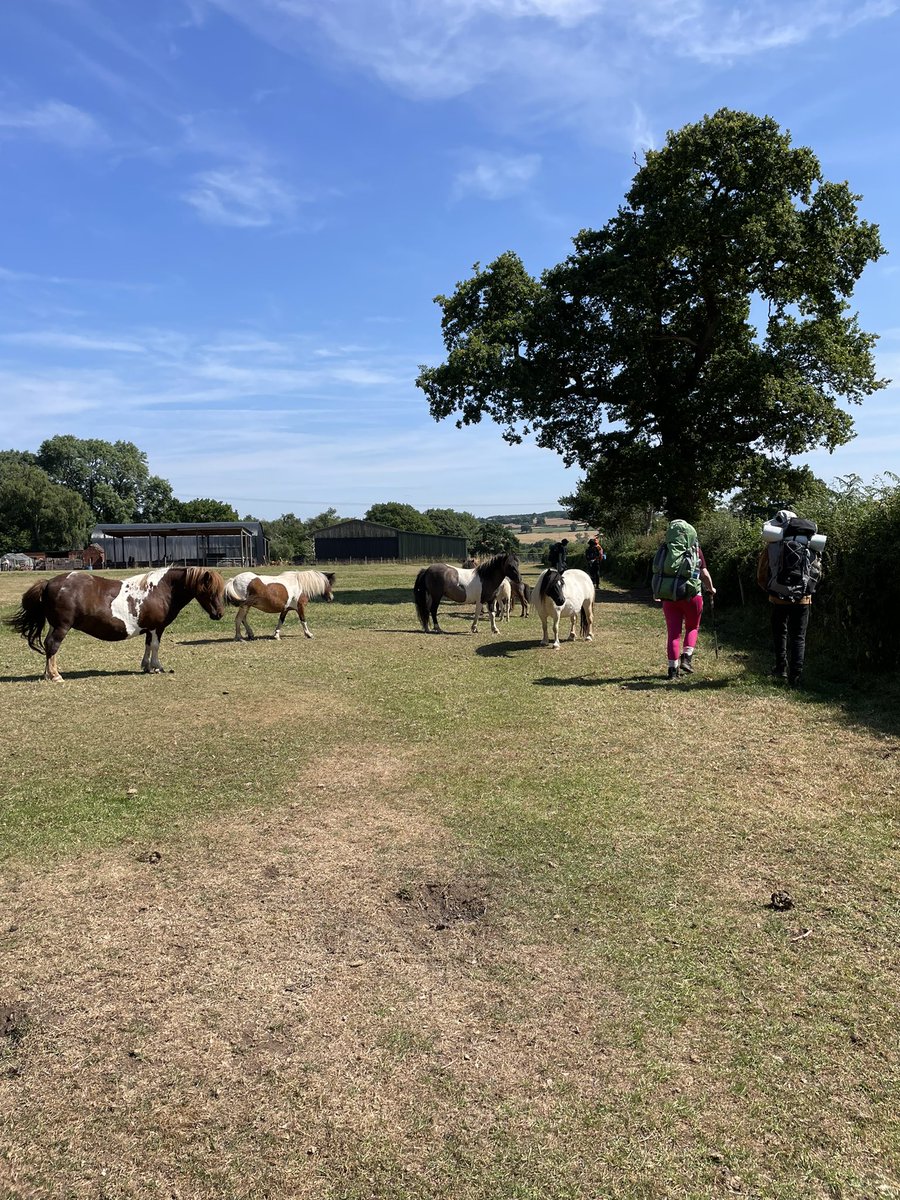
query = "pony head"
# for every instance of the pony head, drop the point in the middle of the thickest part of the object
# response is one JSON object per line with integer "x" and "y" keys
{"x": 209, "y": 590}
{"x": 552, "y": 587}
{"x": 329, "y": 590}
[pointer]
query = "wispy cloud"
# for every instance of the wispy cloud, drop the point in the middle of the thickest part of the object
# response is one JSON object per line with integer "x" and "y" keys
{"x": 581, "y": 59}
{"x": 56, "y": 122}
{"x": 50, "y": 340}
{"x": 247, "y": 198}
{"x": 496, "y": 176}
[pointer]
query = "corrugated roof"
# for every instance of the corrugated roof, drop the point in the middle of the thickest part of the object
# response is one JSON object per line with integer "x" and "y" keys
{"x": 173, "y": 528}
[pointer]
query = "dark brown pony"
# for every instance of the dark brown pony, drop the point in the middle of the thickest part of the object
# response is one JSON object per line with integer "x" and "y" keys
{"x": 476, "y": 585}
{"x": 114, "y": 609}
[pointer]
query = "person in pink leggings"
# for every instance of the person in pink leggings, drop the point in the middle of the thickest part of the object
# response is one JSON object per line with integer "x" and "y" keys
{"x": 686, "y": 614}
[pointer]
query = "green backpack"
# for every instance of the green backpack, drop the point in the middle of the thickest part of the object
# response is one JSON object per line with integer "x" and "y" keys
{"x": 676, "y": 564}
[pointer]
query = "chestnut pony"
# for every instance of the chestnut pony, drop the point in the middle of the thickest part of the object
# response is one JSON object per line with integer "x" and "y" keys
{"x": 114, "y": 609}
{"x": 291, "y": 590}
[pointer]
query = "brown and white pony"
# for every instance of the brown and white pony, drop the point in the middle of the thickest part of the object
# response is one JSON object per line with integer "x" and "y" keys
{"x": 291, "y": 590}
{"x": 114, "y": 609}
{"x": 462, "y": 585}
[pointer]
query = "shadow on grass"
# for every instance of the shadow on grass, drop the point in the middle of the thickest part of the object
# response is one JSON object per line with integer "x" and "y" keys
{"x": 506, "y": 649}
{"x": 39, "y": 678}
{"x": 864, "y": 698}
{"x": 402, "y": 595}
{"x": 632, "y": 683}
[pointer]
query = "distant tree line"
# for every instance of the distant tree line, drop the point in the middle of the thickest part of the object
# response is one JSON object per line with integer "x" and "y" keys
{"x": 52, "y": 499}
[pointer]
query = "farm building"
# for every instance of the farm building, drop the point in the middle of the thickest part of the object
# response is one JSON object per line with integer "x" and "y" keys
{"x": 191, "y": 543}
{"x": 355, "y": 541}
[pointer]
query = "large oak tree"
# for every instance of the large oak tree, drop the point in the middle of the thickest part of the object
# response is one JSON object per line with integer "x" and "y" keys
{"x": 692, "y": 345}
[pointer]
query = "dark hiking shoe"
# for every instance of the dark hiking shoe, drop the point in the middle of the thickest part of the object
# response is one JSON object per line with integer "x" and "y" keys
{"x": 673, "y": 673}
{"x": 687, "y": 664}
{"x": 779, "y": 674}
{"x": 795, "y": 681}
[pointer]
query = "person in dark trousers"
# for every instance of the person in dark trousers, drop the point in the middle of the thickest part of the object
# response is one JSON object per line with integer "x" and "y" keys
{"x": 790, "y": 618}
{"x": 558, "y": 552}
{"x": 593, "y": 557}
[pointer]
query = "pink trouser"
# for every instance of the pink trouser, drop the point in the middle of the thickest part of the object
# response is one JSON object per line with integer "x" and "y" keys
{"x": 688, "y": 613}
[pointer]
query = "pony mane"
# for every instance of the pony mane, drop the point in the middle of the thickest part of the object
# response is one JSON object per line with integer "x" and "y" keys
{"x": 203, "y": 581}
{"x": 490, "y": 563}
{"x": 313, "y": 583}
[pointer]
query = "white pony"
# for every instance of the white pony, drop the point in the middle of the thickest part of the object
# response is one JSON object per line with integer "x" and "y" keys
{"x": 291, "y": 590}
{"x": 566, "y": 595}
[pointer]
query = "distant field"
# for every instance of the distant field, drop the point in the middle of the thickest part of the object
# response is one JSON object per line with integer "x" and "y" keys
{"x": 395, "y": 916}
{"x": 555, "y": 528}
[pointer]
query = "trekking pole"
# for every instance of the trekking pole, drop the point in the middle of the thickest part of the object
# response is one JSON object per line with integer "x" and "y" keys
{"x": 712, "y": 606}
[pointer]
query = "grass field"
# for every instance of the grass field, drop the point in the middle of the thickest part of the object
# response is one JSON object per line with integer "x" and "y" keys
{"x": 395, "y": 916}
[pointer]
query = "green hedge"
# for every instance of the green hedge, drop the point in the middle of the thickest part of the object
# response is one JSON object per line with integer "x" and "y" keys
{"x": 857, "y": 604}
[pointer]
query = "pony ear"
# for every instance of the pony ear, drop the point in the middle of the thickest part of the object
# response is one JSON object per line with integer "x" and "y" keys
{"x": 330, "y": 576}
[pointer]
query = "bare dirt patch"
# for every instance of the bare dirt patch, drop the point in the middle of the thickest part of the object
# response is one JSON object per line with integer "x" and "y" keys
{"x": 259, "y": 1007}
{"x": 438, "y": 905}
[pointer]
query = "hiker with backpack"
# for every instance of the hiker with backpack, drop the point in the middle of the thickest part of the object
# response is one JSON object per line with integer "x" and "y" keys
{"x": 593, "y": 557}
{"x": 557, "y": 555}
{"x": 789, "y": 568}
{"x": 679, "y": 576}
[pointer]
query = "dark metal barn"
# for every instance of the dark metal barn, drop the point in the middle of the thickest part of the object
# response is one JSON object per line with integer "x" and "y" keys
{"x": 359, "y": 541}
{"x": 190, "y": 543}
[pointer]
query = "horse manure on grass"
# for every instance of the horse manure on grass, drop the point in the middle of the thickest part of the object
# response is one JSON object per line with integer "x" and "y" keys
{"x": 15, "y": 1021}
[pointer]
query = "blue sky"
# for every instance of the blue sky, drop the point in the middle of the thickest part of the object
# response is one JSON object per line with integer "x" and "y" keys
{"x": 225, "y": 220}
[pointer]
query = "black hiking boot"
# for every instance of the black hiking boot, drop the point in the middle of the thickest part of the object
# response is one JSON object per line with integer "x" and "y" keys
{"x": 795, "y": 681}
{"x": 779, "y": 674}
{"x": 687, "y": 664}
{"x": 673, "y": 673}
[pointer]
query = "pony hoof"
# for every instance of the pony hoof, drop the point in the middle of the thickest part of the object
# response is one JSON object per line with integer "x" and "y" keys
{"x": 589, "y": 638}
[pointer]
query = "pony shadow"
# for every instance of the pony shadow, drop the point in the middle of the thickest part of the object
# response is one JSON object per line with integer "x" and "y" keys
{"x": 70, "y": 675}
{"x": 375, "y": 596}
{"x": 505, "y": 649}
{"x": 220, "y": 641}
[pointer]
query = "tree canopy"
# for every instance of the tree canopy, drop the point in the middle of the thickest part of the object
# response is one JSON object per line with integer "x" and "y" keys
{"x": 111, "y": 477}
{"x": 700, "y": 337}
{"x": 494, "y": 538}
{"x": 400, "y": 516}
{"x": 201, "y": 510}
{"x": 35, "y": 512}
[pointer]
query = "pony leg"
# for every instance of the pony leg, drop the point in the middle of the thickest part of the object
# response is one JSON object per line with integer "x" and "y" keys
{"x": 301, "y": 614}
{"x": 587, "y": 616}
{"x": 281, "y": 619}
{"x": 545, "y": 641}
{"x": 150, "y": 663}
{"x": 556, "y": 618}
{"x": 51, "y": 647}
{"x": 434, "y": 617}
{"x": 251, "y": 636}
{"x": 571, "y": 637}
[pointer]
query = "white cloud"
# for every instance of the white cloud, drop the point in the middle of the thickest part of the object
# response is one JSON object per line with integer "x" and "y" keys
{"x": 241, "y": 196}
{"x": 497, "y": 176}
{"x": 50, "y": 340}
{"x": 444, "y": 48}
{"x": 55, "y": 122}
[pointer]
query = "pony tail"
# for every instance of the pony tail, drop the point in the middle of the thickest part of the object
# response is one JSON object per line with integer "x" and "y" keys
{"x": 231, "y": 595}
{"x": 30, "y": 619}
{"x": 584, "y": 624}
{"x": 420, "y": 593}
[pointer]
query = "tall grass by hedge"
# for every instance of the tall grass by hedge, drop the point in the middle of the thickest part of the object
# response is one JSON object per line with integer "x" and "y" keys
{"x": 857, "y": 604}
